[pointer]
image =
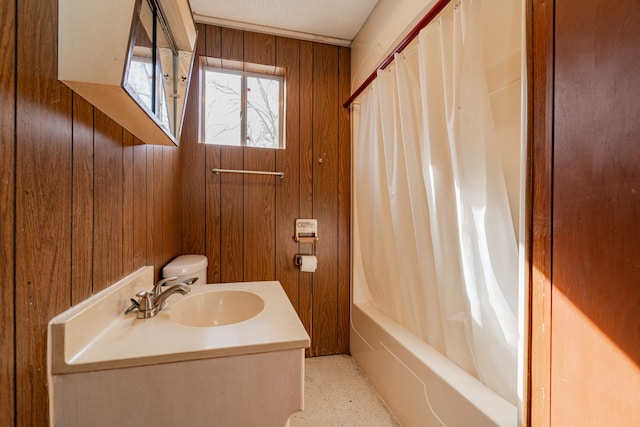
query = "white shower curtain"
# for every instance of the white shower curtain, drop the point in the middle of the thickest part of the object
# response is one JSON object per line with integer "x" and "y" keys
{"x": 437, "y": 242}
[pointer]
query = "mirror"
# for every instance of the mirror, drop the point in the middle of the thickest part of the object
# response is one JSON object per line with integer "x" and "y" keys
{"x": 157, "y": 72}
{"x": 131, "y": 59}
{"x": 140, "y": 71}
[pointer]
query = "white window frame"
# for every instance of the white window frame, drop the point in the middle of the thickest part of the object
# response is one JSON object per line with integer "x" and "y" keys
{"x": 243, "y": 104}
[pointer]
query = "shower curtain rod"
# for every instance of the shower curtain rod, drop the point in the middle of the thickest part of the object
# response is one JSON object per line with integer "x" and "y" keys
{"x": 433, "y": 12}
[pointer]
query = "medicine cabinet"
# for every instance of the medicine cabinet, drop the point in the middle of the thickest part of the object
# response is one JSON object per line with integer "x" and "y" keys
{"x": 132, "y": 59}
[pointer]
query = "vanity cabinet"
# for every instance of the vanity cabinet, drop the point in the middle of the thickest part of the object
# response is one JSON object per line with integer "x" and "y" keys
{"x": 107, "y": 368}
{"x": 131, "y": 59}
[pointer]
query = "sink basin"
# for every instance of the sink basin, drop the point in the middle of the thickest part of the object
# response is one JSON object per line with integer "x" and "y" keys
{"x": 216, "y": 308}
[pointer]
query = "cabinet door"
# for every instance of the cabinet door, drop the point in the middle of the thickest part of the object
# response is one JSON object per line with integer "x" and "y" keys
{"x": 595, "y": 303}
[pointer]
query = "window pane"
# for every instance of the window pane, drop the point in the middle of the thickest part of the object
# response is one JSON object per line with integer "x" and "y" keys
{"x": 222, "y": 108}
{"x": 263, "y": 112}
{"x": 140, "y": 80}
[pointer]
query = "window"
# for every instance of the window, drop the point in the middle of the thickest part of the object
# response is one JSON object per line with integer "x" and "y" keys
{"x": 242, "y": 108}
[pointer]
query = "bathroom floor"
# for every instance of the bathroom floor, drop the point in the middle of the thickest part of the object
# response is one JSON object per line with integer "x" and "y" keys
{"x": 337, "y": 393}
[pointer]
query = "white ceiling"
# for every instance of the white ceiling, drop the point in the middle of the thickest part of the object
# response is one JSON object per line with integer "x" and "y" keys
{"x": 331, "y": 21}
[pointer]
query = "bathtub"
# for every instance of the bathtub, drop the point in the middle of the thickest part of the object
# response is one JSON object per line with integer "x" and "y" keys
{"x": 420, "y": 386}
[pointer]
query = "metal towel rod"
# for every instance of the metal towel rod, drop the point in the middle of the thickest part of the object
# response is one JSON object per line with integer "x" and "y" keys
{"x": 218, "y": 170}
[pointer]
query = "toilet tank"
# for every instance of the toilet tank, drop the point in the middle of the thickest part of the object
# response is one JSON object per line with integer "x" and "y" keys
{"x": 187, "y": 266}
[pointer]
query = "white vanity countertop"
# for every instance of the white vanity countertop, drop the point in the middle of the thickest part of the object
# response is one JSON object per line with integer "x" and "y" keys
{"x": 96, "y": 335}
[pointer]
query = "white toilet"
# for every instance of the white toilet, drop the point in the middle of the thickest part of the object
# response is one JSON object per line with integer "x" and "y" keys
{"x": 186, "y": 267}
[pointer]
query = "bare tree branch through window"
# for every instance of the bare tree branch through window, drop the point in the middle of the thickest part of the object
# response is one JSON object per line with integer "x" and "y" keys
{"x": 241, "y": 109}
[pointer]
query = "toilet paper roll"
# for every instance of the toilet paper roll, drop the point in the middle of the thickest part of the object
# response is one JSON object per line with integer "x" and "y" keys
{"x": 309, "y": 263}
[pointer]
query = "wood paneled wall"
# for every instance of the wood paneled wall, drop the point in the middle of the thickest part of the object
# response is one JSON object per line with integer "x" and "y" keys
{"x": 82, "y": 203}
{"x": 245, "y": 224}
{"x": 7, "y": 212}
{"x": 585, "y": 317}
{"x": 595, "y": 292}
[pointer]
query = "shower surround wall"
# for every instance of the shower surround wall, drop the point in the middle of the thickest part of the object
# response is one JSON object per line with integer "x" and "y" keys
{"x": 84, "y": 203}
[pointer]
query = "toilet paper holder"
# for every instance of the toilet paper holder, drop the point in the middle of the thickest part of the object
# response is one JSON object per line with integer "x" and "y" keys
{"x": 306, "y": 231}
{"x": 298, "y": 257}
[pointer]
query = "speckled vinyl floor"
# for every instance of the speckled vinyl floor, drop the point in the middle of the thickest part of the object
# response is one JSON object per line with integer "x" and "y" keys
{"x": 337, "y": 393}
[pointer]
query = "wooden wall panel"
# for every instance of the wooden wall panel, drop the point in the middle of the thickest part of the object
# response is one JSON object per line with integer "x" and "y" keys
{"x": 326, "y": 104}
{"x": 211, "y": 36}
{"x": 259, "y": 216}
{"x": 306, "y": 179}
{"x": 231, "y": 44}
{"x": 82, "y": 221}
{"x": 595, "y": 307}
{"x": 43, "y": 202}
{"x": 173, "y": 191}
{"x": 157, "y": 208}
{"x": 213, "y": 218}
{"x": 152, "y": 241}
{"x": 127, "y": 202}
{"x": 213, "y": 210}
{"x": 259, "y": 48}
{"x": 288, "y": 161}
{"x": 140, "y": 225}
{"x": 107, "y": 202}
{"x": 170, "y": 204}
{"x": 541, "y": 203}
{"x": 7, "y": 213}
{"x": 166, "y": 202}
{"x": 192, "y": 163}
{"x": 231, "y": 219}
{"x": 344, "y": 201}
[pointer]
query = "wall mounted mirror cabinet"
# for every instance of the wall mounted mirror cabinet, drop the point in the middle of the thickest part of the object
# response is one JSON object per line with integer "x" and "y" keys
{"x": 132, "y": 59}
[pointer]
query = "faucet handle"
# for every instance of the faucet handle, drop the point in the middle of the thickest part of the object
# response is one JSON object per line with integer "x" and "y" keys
{"x": 143, "y": 304}
{"x": 146, "y": 304}
{"x": 135, "y": 305}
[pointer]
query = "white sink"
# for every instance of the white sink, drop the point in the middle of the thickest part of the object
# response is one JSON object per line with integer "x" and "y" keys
{"x": 96, "y": 335}
{"x": 216, "y": 308}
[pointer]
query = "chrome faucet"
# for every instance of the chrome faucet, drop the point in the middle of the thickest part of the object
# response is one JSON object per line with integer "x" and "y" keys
{"x": 157, "y": 288}
{"x": 151, "y": 303}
